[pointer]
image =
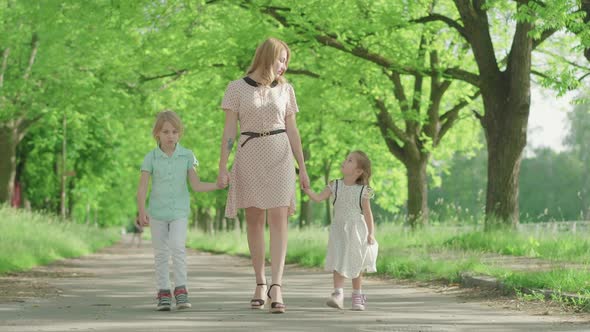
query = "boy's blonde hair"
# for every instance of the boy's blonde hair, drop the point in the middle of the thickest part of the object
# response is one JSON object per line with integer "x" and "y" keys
{"x": 167, "y": 116}
{"x": 363, "y": 163}
{"x": 266, "y": 55}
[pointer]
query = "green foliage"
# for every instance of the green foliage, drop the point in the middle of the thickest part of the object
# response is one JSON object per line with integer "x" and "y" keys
{"x": 109, "y": 66}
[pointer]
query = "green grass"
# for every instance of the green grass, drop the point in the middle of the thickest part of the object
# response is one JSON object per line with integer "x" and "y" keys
{"x": 31, "y": 239}
{"x": 562, "y": 246}
{"x": 437, "y": 253}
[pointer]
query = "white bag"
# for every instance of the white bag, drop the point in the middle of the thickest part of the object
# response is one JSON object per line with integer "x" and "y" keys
{"x": 371, "y": 258}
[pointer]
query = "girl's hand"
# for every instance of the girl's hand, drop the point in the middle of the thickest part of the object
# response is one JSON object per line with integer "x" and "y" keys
{"x": 371, "y": 239}
{"x": 303, "y": 179}
{"x": 144, "y": 219}
{"x": 221, "y": 185}
{"x": 222, "y": 178}
{"x": 307, "y": 191}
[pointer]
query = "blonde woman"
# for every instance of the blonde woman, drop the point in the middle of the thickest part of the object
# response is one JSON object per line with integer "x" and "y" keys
{"x": 262, "y": 179}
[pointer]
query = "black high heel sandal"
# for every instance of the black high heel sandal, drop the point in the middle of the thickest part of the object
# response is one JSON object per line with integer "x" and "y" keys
{"x": 257, "y": 303}
{"x": 276, "y": 307}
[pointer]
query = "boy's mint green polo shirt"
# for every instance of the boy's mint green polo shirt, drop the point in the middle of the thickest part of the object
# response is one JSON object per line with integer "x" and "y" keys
{"x": 169, "y": 198}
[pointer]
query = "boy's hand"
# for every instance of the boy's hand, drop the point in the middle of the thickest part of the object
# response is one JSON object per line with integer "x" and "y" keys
{"x": 307, "y": 190}
{"x": 138, "y": 224}
{"x": 371, "y": 239}
{"x": 144, "y": 219}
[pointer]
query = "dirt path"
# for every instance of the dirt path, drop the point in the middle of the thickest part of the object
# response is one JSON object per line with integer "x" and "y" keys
{"x": 113, "y": 291}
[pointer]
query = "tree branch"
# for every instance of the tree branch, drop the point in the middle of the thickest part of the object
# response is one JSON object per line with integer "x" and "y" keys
{"x": 34, "y": 47}
{"x": 330, "y": 40}
{"x": 4, "y": 63}
{"x": 447, "y": 20}
{"x": 179, "y": 74}
{"x": 304, "y": 72}
{"x": 24, "y": 124}
{"x": 398, "y": 90}
{"x": 143, "y": 78}
{"x": 451, "y": 116}
{"x": 563, "y": 59}
{"x": 538, "y": 73}
{"x": 386, "y": 126}
{"x": 385, "y": 120}
{"x": 544, "y": 36}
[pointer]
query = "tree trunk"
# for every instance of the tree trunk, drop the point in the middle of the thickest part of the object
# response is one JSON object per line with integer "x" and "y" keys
{"x": 417, "y": 191}
{"x": 8, "y": 142}
{"x": 506, "y": 128}
{"x": 506, "y": 98}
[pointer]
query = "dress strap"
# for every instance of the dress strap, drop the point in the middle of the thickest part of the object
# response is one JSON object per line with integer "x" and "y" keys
{"x": 361, "y": 198}
{"x": 335, "y": 192}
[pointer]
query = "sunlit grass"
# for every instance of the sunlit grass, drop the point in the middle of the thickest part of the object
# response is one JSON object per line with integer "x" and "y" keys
{"x": 437, "y": 253}
{"x": 30, "y": 239}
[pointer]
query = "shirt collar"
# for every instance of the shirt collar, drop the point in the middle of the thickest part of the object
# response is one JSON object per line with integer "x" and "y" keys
{"x": 179, "y": 150}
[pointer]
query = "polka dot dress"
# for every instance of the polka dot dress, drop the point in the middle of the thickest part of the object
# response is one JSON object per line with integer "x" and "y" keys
{"x": 263, "y": 173}
{"x": 349, "y": 253}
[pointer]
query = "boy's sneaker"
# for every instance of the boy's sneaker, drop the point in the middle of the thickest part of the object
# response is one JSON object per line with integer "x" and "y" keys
{"x": 336, "y": 301}
{"x": 164, "y": 300}
{"x": 181, "y": 296}
{"x": 358, "y": 302}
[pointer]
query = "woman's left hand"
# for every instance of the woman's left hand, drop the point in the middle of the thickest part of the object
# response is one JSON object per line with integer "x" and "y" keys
{"x": 303, "y": 179}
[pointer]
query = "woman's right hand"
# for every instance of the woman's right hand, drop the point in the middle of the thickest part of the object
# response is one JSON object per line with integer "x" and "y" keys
{"x": 223, "y": 178}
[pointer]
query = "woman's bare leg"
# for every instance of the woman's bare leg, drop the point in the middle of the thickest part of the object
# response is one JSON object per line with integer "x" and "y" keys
{"x": 255, "y": 231}
{"x": 277, "y": 221}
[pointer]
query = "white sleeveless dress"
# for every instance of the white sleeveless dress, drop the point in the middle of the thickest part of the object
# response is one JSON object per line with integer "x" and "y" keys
{"x": 349, "y": 253}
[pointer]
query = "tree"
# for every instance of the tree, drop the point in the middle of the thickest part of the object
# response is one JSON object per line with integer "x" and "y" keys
{"x": 505, "y": 85}
{"x": 405, "y": 83}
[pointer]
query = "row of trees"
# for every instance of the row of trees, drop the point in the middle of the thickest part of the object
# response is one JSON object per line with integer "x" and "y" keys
{"x": 80, "y": 82}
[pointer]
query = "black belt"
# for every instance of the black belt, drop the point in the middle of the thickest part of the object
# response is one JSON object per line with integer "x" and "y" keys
{"x": 262, "y": 134}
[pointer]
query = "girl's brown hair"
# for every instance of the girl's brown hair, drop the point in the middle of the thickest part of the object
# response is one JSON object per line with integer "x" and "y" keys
{"x": 363, "y": 163}
{"x": 266, "y": 55}
{"x": 167, "y": 116}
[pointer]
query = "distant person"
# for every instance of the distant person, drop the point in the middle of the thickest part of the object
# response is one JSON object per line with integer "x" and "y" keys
{"x": 170, "y": 166}
{"x": 137, "y": 230}
{"x": 262, "y": 179}
{"x": 352, "y": 248}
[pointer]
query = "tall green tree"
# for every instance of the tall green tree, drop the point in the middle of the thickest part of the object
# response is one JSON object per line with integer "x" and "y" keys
{"x": 503, "y": 76}
{"x": 404, "y": 83}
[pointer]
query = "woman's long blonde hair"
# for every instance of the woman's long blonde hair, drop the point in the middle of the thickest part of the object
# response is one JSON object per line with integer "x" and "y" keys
{"x": 265, "y": 57}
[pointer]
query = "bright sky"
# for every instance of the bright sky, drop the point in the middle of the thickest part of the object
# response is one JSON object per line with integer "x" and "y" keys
{"x": 547, "y": 120}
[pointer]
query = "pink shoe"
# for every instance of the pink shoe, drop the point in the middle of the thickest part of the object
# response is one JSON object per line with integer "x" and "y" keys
{"x": 358, "y": 302}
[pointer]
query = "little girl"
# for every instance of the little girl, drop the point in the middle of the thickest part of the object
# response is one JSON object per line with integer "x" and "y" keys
{"x": 169, "y": 165}
{"x": 352, "y": 247}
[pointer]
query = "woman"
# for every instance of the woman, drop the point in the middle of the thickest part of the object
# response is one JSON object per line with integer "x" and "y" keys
{"x": 262, "y": 179}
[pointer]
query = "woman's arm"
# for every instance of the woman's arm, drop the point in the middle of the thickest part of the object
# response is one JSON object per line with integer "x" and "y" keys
{"x": 318, "y": 197}
{"x": 144, "y": 219}
{"x": 368, "y": 214}
{"x": 199, "y": 186}
{"x": 227, "y": 142}
{"x": 295, "y": 141}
